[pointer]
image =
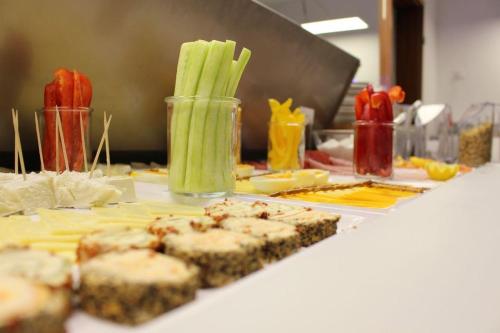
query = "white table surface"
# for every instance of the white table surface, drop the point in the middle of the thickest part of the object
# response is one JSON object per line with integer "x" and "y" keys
{"x": 432, "y": 265}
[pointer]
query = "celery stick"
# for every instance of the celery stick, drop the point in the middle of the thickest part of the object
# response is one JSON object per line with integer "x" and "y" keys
{"x": 191, "y": 78}
{"x": 208, "y": 172}
{"x": 224, "y": 153}
{"x": 180, "y": 81}
{"x": 199, "y": 114}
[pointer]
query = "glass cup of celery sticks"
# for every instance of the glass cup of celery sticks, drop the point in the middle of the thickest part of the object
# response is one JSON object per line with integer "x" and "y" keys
{"x": 201, "y": 142}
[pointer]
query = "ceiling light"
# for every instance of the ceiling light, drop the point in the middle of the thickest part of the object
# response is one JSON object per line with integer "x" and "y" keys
{"x": 335, "y": 25}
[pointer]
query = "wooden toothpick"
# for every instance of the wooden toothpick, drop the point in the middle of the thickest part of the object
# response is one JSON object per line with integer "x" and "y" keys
{"x": 40, "y": 152}
{"x": 18, "y": 142}
{"x": 63, "y": 143}
{"x": 57, "y": 146}
{"x": 96, "y": 158}
{"x": 108, "y": 158}
{"x": 16, "y": 159}
{"x": 82, "y": 134}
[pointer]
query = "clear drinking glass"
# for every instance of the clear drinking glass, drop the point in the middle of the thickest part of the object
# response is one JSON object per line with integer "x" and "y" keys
{"x": 201, "y": 141}
{"x": 373, "y": 149}
{"x": 286, "y": 146}
{"x": 78, "y": 151}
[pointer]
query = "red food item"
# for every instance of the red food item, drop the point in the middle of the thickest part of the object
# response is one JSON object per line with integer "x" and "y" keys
{"x": 82, "y": 95}
{"x": 374, "y": 131}
{"x": 64, "y": 93}
{"x": 396, "y": 94}
{"x": 69, "y": 89}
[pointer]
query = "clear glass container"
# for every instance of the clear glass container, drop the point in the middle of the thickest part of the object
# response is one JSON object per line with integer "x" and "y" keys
{"x": 373, "y": 149}
{"x": 475, "y": 135}
{"x": 201, "y": 140}
{"x": 237, "y": 146}
{"x": 78, "y": 151}
{"x": 338, "y": 143}
{"x": 286, "y": 146}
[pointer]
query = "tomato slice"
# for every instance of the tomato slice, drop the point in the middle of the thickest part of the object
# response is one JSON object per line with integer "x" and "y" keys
{"x": 396, "y": 94}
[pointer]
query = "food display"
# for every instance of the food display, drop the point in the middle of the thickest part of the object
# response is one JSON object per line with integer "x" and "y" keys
{"x": 202, "y": 128}
{"x": 28, "y": 307}
{"x": 181, "y": 225}
{"x": 223, "y": 256}
{"x": 71, "y": 92}
{"x": 115, "y": 239}
{"x": 286, "y": 136}
{"x": 135, "y": 286}
{"x": 373, "y": 130}
{"x": 280, "y": 239}
{"x": 366, "y": 194}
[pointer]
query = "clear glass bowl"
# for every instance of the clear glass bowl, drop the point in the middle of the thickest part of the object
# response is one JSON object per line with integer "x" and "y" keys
{"x": 201, "y": 139}
{"x": 338, "y": 143}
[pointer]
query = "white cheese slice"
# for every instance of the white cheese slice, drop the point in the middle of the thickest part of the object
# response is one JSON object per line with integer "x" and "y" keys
{"x": 126, "y": 185}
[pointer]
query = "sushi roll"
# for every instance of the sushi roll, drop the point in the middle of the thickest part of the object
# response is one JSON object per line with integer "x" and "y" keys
{"x": 27, "y": 307}
{"x": 280, "y": 239}
{"x": 223, "y": 256}
{"x": 115, "y": 239}
{"x": 181, "y": 225}
{"x": 134, "y": 286}
{"x": 312, "y": 225}
{"x": 39, "y": 266}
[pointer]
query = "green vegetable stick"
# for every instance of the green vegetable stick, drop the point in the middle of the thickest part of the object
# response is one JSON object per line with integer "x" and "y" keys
{"x": 225, "y": 154}
{"x": 208, "y": 171}
{"x": 180, "y": 81}
{"x": 196, "y": 59}
{"x": 206, "y": 85}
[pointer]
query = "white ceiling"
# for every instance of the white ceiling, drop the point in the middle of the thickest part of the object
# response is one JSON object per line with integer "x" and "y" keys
{"x": 316, "y": 10}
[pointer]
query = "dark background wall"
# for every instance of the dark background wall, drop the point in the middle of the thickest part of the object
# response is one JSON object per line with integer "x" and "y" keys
{"x": 129, "y": 49}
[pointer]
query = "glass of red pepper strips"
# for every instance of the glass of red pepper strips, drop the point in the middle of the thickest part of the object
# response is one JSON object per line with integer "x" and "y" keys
{"x": 71, "y": 92}
{"x": 373, "y": 131}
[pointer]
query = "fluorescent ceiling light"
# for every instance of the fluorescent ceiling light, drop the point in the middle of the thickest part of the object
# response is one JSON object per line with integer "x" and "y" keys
{"x": 336, "y": 25}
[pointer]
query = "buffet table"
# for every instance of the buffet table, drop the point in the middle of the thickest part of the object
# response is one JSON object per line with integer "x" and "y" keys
{"x": 427, "y": 266}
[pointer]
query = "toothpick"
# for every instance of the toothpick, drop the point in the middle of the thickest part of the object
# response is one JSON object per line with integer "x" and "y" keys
{"x": 108, "y": 159}
{"x": 16, "y": 160}
{"x": 100, "y": 147}
{"x": 18, "y": 141}
{"x": 40, "y": 152}
{"x": 57, "y": 146}
{"x": 83, "y": 144}
{"x": 63, "y": 143}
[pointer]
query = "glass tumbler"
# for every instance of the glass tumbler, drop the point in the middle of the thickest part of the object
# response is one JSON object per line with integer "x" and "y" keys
{"x": 74, "y": 130}
{"x": 286, "y": 146}
{"x": 373, "y": 149}
{"x": 201, "y": 141}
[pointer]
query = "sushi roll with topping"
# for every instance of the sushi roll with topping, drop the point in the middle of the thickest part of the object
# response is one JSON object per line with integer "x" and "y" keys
{"x": 312, "y": 225}
{"x": 135, "y": 286}
{"x": 39, "y": 266}
{"x": 280, "y": 239}
{"x": 27, "y": 307}
{"x": 181, "y": 225}
{"x": 223, "y": 256}
{"x": 115, "y": 239}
